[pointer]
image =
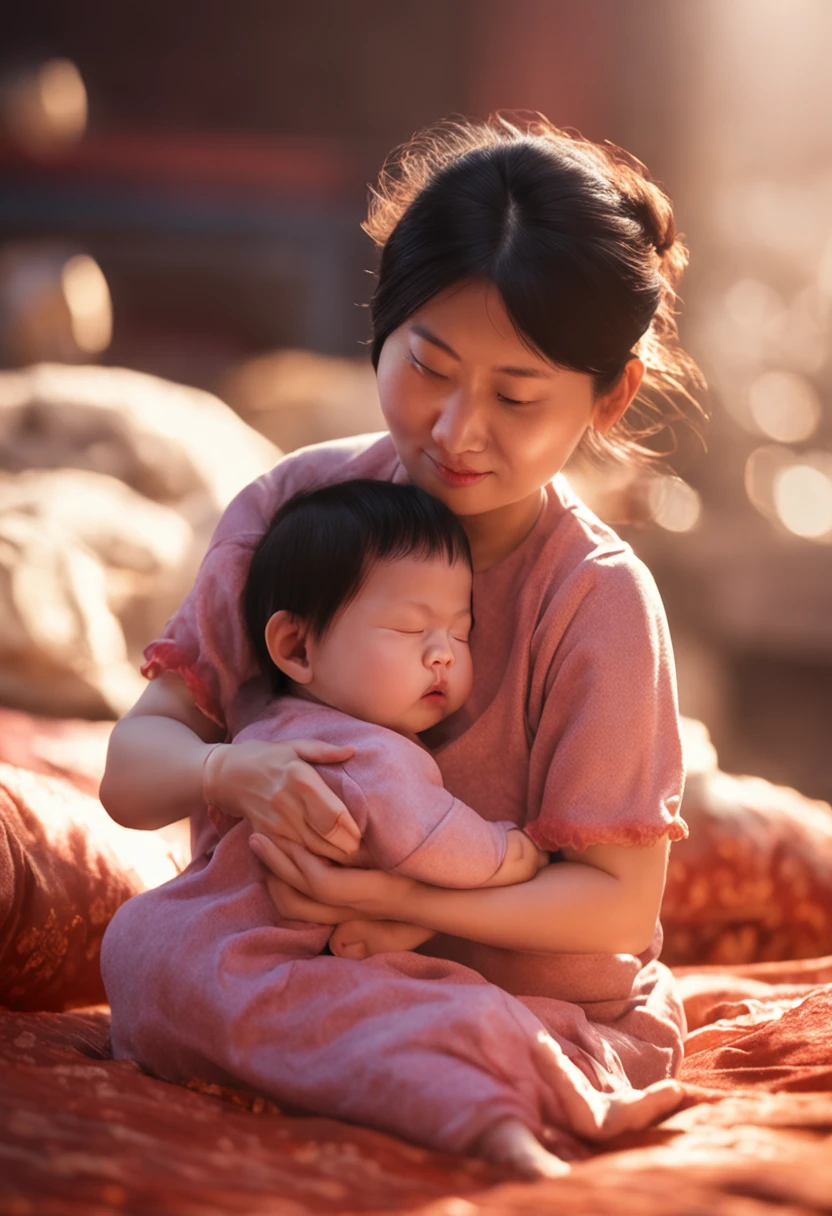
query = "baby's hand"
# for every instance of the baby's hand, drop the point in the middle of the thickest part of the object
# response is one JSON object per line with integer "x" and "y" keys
{"x": 364, "y": 938}
{"x": 522, "y": 861}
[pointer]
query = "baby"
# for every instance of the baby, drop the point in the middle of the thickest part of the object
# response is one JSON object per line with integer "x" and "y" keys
{"x": 358, "y": 606}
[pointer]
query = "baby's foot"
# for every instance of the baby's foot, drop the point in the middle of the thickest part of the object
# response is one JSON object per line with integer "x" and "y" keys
{"x": 511, "y": 1143}
{"x": 363, "y": 938}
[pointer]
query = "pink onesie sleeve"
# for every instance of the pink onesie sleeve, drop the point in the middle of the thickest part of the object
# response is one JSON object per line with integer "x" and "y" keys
{"x": 606, "y": 760}
{"x": 414, "y": 826}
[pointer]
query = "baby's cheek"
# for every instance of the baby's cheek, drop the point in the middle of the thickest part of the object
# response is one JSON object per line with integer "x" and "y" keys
{"x": 387, "y": 678}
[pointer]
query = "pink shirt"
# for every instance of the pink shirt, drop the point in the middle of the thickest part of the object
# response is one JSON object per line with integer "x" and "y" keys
{"x": 571, "y": 729}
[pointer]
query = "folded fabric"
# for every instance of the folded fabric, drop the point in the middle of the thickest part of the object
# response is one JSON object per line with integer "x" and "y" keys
{"x": 65, "y": 867}
{"x": 745, "y": 1142}
{"x": 753, "y": 881}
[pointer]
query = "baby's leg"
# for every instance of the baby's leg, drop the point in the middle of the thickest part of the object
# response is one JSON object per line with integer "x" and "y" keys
{"x": 359, "y": 939}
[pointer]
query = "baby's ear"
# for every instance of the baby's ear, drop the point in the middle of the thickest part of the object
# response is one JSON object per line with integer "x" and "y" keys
{"x": 286, "y": 641}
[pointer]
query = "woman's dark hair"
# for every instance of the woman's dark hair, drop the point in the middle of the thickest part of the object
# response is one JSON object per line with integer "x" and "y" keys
{"x": 578, "y": 240}
{"x": 318, "y": 549}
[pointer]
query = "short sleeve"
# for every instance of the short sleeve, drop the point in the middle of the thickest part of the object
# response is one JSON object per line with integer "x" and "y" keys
{"x": 414, "y": 826}
{"x": 205, "y": 641}
{"x": 606, "y": 759}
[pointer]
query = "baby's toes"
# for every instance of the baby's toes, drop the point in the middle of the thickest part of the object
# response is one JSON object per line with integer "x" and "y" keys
{"x": 344, "y": 946}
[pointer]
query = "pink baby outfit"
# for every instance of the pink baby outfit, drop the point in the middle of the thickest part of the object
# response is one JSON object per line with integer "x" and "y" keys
{"x": 393, "y": 789}
{"x": 570, "y": 731}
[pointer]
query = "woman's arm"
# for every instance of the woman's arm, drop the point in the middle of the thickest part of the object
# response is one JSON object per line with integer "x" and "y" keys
{"x": 363, "y": 938}
{"x": 605, "y": 899}
{"x": 155, "y": 758}
{"x": 157, "y": 773}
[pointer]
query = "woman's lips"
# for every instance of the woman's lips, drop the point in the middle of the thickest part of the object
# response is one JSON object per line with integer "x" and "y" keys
{"x": 453, "y": 478}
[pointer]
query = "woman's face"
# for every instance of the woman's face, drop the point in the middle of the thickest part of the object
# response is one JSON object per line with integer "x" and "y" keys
{"x": 477, "y": 419}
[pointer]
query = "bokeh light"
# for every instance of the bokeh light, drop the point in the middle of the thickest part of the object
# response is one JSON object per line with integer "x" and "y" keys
{"x": 756, "y": 309}
{"x": 673, "y": 504}
{"x": 46, "y": 107}
{"x": 761, "y": 470}
{"x": 785, "y": 406}
{"x": 803, "y": 499}
{"x": 88, "y": 299}
{"x": 804, "y": 342}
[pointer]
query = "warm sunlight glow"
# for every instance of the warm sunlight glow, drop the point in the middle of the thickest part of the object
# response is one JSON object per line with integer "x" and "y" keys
{"x": 88, "y": 299}
{"x": 803, "y": 499}
{"x": 762, "y": 468}
{"x": 63, "y": 98}
{"x": 45, "y": 107}
{"x": 784, "y": 406}
{"x": 674, "y": 504}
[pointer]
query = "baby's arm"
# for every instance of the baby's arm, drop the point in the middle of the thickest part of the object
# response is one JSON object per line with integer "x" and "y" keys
{"x": 445, "y": 843}
{"x": 363, "y": 938}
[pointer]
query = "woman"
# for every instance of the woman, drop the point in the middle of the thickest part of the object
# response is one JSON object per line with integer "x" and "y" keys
{"x": 525, "y": 293}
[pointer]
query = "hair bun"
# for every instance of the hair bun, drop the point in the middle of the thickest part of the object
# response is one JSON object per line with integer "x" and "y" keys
{"x": 649, "y": 207}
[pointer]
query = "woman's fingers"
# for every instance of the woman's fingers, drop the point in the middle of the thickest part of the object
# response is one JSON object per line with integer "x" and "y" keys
{"x": 291, "y": 905}
{"x": 371, "y": 893}
{"x": 367, "y": 892}
{"x": 327, "y": 816}
{"x": 324, "y": 812}
{"x": 267, "y": 826}
{"x": 295, "y": 865}
{"x": 315, "y": 751}
{"x": 294, "y": 828}
{"x": 316, "y": 844}
{"x": 277, "y": 860}
{"x": 317, "y": 874}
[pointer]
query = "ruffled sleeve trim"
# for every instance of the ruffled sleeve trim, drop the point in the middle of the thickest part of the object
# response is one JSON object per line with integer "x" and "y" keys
{"x": 166, "y": 655}
{"x": 551, "y": 839}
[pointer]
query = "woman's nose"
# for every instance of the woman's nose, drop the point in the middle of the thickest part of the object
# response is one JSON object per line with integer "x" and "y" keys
{"x": 459, "y": 426}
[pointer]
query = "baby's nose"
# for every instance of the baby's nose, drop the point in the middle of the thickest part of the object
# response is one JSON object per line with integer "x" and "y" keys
{"x": 439, "y": 653}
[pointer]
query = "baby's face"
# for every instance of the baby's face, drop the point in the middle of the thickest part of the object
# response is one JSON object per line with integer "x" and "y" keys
{"x": 398, "y": 655}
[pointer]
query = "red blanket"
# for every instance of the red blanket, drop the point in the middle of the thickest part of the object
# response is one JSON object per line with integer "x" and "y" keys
{"x": 81, "y": 1133}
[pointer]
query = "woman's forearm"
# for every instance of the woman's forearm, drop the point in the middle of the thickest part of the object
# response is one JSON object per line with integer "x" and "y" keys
{"x": 569, "y": 907}
{"x": 154, "y": 772}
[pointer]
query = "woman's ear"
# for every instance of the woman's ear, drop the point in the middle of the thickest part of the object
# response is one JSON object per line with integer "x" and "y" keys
{"x": 286, "y": 641}
{"x": 613, "y": 404}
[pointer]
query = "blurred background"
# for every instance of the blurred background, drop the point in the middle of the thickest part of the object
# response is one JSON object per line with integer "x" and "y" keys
{"x": 183, "y": 284}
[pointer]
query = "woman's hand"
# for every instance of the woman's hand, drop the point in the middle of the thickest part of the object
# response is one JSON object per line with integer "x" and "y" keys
{"x": 274, "y": 786}
{"x": 320, "y": 886}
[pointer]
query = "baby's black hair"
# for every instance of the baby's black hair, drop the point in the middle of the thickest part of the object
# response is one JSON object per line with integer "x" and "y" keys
{"x": 318, "y": 549}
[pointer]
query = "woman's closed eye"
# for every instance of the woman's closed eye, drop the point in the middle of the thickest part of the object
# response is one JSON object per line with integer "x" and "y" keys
{"x": 513, "y": 401}
{"x": 423, "y": 367}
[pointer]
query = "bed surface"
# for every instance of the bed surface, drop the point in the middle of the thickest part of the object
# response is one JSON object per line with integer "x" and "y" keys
{"x": 82, "y": 1133}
